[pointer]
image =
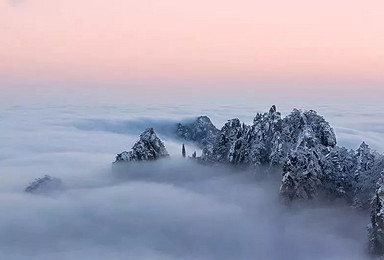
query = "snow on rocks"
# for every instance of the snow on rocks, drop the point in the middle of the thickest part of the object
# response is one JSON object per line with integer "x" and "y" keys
{"x": 270, "y": 139}
{"x": 201, "y": 131}
{"x": 376, "y": 227}
{"x": 148, "y": 147}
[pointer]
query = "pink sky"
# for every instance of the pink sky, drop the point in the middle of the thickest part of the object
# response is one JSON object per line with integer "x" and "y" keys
{"x": 253, "y": 41}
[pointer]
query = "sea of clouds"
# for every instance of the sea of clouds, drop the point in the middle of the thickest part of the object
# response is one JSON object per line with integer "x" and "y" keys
{"x": 171, "y": 209}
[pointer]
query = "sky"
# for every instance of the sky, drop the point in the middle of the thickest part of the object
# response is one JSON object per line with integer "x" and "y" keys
{"x": 79, "y": 81}
{"x": 188, "y": 47}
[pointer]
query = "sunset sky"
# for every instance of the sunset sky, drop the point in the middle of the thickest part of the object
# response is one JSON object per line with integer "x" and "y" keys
{"x": 177, "y": 45}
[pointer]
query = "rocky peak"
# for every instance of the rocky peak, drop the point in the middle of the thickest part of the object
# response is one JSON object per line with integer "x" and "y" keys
{"x": 270, "y": 121}
{"x": 309, "y": 126}
{"x": 302, "y": 175}
{"x": 44, "y": 185}
{"x": 273, "y": 114}
{"x": 232, "y": 129}
{"x": 220, "y": 149}
{"x": 368, "y": 166}
{"x": 363, "y": 148}
{"x": 340, "y": 173}
{"x": 376, "y": 227}
{"x": 272, "y": 110}
{"x": 148, "y": 147}
{"x": 203, "y": 120}
{"x": 201, "y": 131}
{"x": 365, "y": 158}
{"x": 270, "y": 139}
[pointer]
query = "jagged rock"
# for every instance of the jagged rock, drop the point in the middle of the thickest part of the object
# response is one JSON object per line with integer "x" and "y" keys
{"x": 301, "y": 177}
{"x": 304, "y": 146}
{"x": 369, "y": 165}
{"x": 44, "y": 185}
{"x": 314, "y": 168}
{"x": 148, "y": 147}
{"x": 258, "y": 144}
{"x": 315, "y": 173}
{"x": 376, "y": 227}
{"x": 220, "y": 150}
{"x": 183, "y": 152}
{"x": 240, "y": 144}
{"x": 337, "y": 168}
{"x": 270, "y": 139}
{"x": 307, "y": 126}
{"x": 339, "y": 173}
{"x": 201, "y": 131}
{"x": 318, "y": 172}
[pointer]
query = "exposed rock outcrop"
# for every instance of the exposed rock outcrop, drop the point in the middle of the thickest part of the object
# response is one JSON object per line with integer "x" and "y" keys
{"x": 270, "y": 139}
{"x": 368, "y": 166}
{"x": 148, "y": 147}
{"x": 45, "y": 185}
{"x": 304, "y": 146}
{"x": 201, "y": 131}
{"x": 332, "y": 173}
{"x": 376, "y": 227}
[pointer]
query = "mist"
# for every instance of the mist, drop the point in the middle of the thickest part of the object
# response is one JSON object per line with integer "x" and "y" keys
{"x": 169, "y": 209}
{"x": 174, "y": 209}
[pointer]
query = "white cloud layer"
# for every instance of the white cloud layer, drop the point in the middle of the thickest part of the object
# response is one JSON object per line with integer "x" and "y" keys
{"x": 172, "y": 209}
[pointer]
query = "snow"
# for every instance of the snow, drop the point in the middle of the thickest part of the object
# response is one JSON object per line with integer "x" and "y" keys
{"x": 201, "y": 131}
{"x": 148, "y": 147}
{"x": 304, "y": 146}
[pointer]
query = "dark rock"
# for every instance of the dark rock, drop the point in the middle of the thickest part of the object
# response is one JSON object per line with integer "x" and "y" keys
{"x": 148, "y": 147}
{"x": 201, "y": 131}
{"x": 45, "y": 185}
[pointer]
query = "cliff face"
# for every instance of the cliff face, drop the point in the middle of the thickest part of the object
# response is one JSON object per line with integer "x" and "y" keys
{"x": 148, "y": 147}
{"x": 304, "y": 146}
{"x": 201, "y": 131}
{"x": 254, "y": 145}
{"x": 376, "y": 227}
{"x": 335, "y": 173}
{"x": 270, "y": 139}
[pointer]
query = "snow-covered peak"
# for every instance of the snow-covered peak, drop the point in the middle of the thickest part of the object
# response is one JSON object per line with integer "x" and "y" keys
{"x": 235, "y": 122}
{"x": 363, "y": 149}
{"x": 270, "y": 139}
{"x": 337, "y": 173}
{"x": 303, "y": 125}
{"x": 272, "y": 110}
{"x": 148, "y": 147}
{"x": 201, "y": 131}
{"x": 271, "y": 116}
{"x": 376, "y": 227}
{"x": 149, "y": 135}
{"x": 201, "y": 120}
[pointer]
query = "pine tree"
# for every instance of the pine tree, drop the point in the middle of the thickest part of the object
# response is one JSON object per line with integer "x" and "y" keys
{"x": 183, "y": 151}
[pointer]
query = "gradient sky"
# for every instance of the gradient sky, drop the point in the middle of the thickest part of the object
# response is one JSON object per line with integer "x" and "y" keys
{"x": 211, "y": 45}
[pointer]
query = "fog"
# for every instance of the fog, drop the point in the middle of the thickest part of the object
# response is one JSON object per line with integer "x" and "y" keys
{"x": 170, "y": 209}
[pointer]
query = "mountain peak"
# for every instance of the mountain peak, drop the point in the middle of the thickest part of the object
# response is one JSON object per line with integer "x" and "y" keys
{"x": 272, "y": 109}
{"x": 44, "y": 185}
{"x": 201, "y": 131}
{"x": 148, "y": 147}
